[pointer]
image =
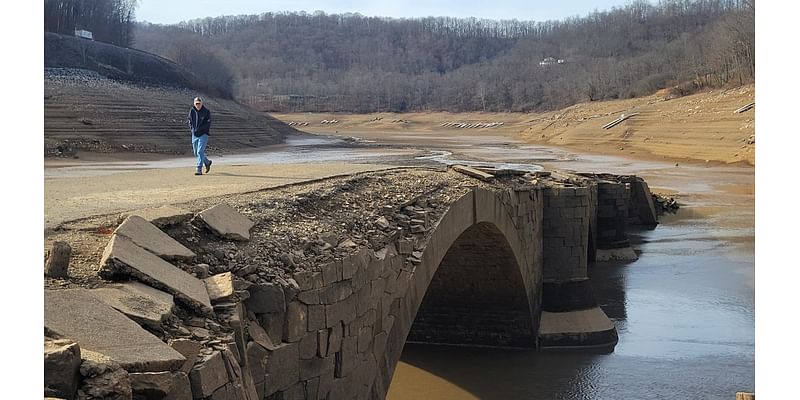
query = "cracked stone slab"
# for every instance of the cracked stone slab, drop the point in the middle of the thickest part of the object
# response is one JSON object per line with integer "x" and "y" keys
{"x": 226, "y": 222}
{"x": 95, "y": 326}
{"x": 162, "y": 216}
{"x": 150, "y": 237}
{"x": 122, "y": 257}
{"x": 139, "y": 302}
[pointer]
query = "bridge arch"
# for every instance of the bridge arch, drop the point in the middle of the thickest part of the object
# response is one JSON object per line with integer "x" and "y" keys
{"x": 505, "y": 223}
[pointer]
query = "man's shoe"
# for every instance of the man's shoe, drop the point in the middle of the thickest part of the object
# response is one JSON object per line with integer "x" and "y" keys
{"x": 208, "y": 166}
{"x": 198, "y": 172}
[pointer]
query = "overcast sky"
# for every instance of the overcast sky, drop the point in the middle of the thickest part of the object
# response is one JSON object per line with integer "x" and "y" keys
{"x": 173, "y": 11}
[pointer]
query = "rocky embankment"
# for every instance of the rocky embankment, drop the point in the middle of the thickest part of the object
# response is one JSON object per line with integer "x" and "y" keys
{"x": 86, "y": 111}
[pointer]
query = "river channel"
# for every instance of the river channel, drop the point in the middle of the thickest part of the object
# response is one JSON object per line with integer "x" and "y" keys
{"x": 684, "y": 311}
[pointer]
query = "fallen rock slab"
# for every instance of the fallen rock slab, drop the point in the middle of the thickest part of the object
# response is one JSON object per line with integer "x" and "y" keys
{"x": 123, "y": 258}
{"x": 141, "y": 303}
{"x": 226, "y": 222}
{"x": 220, "y": 287}
{"x": 162, "y": 216}
{"x": 148, "y": 236}
{"x": 96, "y": 327}
{"x": 62, "y": 362}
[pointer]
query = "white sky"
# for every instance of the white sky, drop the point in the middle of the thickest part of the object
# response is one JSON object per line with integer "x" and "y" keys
{"x": 173, "y": 11}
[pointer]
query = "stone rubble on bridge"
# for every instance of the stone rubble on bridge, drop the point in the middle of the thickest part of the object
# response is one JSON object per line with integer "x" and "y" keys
{"x": 335, "y": 329}
{"x": 123, "y": 258}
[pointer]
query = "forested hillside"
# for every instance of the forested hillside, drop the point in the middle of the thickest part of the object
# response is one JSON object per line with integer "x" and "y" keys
{"x": 326, "y": 62}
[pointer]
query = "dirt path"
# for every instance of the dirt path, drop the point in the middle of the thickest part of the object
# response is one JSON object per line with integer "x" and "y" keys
{"x": 73, "y": 198}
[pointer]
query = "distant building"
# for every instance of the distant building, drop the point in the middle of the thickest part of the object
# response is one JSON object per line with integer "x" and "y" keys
{"x": 83, "y": 34}
{"x": 551, "y": 61}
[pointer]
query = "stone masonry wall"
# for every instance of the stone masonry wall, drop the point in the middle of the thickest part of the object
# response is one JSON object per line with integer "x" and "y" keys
{"x": 565, "y": 233}
{"x": 612, "y": 214}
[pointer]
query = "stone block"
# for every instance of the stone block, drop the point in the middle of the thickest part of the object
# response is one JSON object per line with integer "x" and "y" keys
{"x": 307, "y": 280}
{"x": 227, "y": 392}
{"x": 76, "y": 314}
{"x": 181, "y": 388}
{"x": 350, "y": 265}
{"x": 335, "y": 292}
{"x": 359, "y": 279}
{"x": 316, "y": 317}
{"x": 322, "y": 342}
{"x": 405, "y": 247}
{"x": 363, "y": 302}
{"x": 296, "y": 322}
{"x": 315, "y": 367}
{"x": 344, "y": 310}
{"x": 308, "y": 346}
{"x": 208, "y": 375}
{"x": 309, "y": 297}
{"x": 335, "y": 337}
{"x": 260, "y": 336}
{"x": 62, "y": 362}
{"x": 256, "y": 362}
{"x": 266, "y": 298}
{"x": 158, "y": 385}
{"x": 189, "y": 349}
{"x": 312, "y": 388}
{"x": 141, "y": 303}
{"x": 123, "y": 258}
{"x": 282, "y": 368}
{"x": 226, "y": 222}
{"x": 380, "y": 345}
{"x": 331, "y": 272}
{"x": 57, "y": 264}
{"x": 220, "y": 287}
{"x": 364, "y": 338}
{"x": 154, "y": 240}
{"x": 325, "y": 386}
{"x": 346, "y": 357}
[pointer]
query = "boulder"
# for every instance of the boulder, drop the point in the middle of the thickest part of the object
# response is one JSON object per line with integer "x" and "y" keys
{"x": 62, "y": 362}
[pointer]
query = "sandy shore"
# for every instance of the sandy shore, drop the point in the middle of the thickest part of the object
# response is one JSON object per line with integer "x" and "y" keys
{"x": 702, "y": 127}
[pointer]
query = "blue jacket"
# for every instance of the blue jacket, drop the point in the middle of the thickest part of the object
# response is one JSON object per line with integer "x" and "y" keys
{"x": 199, "y": 121}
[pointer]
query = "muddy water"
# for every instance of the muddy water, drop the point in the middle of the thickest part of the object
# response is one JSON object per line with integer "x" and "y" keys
{"x": 685, "y": 311}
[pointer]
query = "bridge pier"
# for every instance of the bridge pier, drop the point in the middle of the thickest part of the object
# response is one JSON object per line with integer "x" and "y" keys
{"x": 570, "y": 314}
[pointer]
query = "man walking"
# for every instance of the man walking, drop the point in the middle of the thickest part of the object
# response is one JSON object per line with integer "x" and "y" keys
{"x": 200, "y": 122}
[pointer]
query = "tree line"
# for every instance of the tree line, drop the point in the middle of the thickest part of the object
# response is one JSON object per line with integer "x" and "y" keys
{"x": 296, "y": 61}
{"x": 110, "y": 21}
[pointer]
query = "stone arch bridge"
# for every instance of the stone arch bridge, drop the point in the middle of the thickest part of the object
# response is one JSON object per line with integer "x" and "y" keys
{"x": 503, "y": 266}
